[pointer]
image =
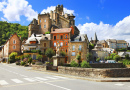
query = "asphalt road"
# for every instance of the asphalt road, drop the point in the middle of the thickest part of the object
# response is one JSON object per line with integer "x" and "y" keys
{"x": 14, "y": 77}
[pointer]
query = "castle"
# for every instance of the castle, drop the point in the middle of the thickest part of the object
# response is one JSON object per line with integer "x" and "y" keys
{"x": 54, "y": 20}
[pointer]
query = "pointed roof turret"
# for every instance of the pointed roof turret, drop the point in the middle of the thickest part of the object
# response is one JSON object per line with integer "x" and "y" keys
{"x": 95, "y": 37}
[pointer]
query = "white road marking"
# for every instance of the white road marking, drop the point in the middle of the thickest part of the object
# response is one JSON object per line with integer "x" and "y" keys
{"x": 3, "y": 82}
{"x": 23, "y": 75}
{"x": 41, "y": 78}
{"x": 60, "y": 77}
{"x": 17, "y": 80}
{"x": 119, "y": 84}
{"x": 51, "y": 77}
{"x": 29, "y": 79}
{"x": 56, "y": 86}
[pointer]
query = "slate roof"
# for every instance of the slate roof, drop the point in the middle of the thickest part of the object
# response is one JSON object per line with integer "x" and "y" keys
{"x": 62, "y": 30}
{"x": 111, "y": 40}
{"x": 102, "y": 41}
{"x": 80, "y": 37}
{"x": 121, "y": 41}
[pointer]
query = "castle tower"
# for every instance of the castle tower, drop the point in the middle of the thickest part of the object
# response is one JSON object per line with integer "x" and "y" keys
{"x": 59, "y": 9}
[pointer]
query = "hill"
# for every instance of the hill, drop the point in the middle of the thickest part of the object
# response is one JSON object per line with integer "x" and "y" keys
{"x": 6, "y": 29}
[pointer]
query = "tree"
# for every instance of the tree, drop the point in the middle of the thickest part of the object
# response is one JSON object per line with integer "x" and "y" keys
{"x": 62, "y": 53}
{"x": 48, "y": 32}
{"x": 91, "y": 46}
{"x": 112, "y": 55}
{"x": 39, "y": 57}
{"x": 12, "y": 57}
{"x": 30, "y": 60}
{"x": 98, "y": 59}
{"x": 85, "y": 64}
{"x": 89, "y": 56}
{"x": 78, "y": 57}
{"x": 49, "y": 53}
{"x": 116, "y": 57}
{"x": 127, "y": 56}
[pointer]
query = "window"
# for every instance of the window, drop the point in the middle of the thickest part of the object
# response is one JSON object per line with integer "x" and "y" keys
{"x": 66, "y": 50}
{"x": 54, "y": 37}
{"x": 54, "y": 44}
{"x": 44, "y": 26}
{"x": 80, "y": 47}
{"x": 40, "y": 20}
{"x": 61, "y": 44}
{"x": 73, "y": 53}
{"x": 66, "y": 36}
{"x": 14, "y": 42}
{"x": 61, "y": 37}
{"x": 44, "y": 44}
{"x": 34, "y": 57}
{"x": 73, "y": 47}
{"x": 45, "y": 20}
{"x": 39, "y": 26}
{"x": 66, "y": 43}
{"x": 14, "y": 47}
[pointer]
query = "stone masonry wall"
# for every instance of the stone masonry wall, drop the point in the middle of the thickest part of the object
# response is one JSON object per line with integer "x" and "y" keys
{"x": 95, "y": 72}
{"x": 39, "y": 67}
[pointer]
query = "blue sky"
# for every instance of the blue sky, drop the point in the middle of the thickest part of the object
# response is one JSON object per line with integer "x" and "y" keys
{"x": 108, "y": 18}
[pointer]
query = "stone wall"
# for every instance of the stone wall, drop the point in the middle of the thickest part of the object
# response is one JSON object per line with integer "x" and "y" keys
{"x": 39, "y": 67}
{"x": 95, "y": 72}
{"x": 106, "y": 65}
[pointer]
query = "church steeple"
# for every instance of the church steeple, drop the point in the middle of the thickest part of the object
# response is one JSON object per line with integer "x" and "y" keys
{"x": 95, "y": 37}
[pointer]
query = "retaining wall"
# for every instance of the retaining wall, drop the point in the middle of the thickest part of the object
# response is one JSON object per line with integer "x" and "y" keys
{"x": 95, "y": 72}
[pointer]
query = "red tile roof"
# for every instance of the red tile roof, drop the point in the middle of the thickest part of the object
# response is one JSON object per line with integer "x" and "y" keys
{"x": 62, "y": 30}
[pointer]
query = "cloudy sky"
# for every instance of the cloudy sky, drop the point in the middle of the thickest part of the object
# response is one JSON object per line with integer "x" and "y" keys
{"x": 108, "y": 18}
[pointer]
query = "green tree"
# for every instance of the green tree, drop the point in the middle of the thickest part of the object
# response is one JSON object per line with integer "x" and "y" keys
{"x": 74, "y": 64}
{"x": 39, "y": 57}
{"x": 12, "y": 57}
{"x": 127, "y": 56}
{"x": 89, "y": 56}
{"x": 116, "y": 57}
{"x": 30, "y": 60}
{"x": 48, "y": 32}
{"x": 78, "y": 57}
{"x": 49, "y": 53}
{"x": 105, "y": 58}
{"x": 91, "y": 46}
{"x": 62, "y": 53}
{"x": 112, "y": 56}
{"x": 98, "y": 59}
{"x": 85, "y": 64}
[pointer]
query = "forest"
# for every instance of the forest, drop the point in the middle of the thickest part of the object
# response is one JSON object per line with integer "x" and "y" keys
{"x": 7, "y": 29}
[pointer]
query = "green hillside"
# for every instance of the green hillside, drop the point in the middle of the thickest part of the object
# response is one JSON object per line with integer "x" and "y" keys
{"x": 6, "y": 29}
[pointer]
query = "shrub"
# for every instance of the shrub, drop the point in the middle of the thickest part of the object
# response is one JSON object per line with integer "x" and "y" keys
{"x": 17, "y": 63}
{"x": 48, "y": 32}
{"x": 127, "y": 56}
{"x": 12, "y": 57}
{"x": 74, "y": 64}
{"x": 30, "y": 60}
{"x": 33, "y": 63}
{"x": 85, "y": 64}
{"x": 126, "y": 62}
{"x": 116, "y": 57}
{"x": 22, "y": 63}
{"x": 98, "y": 59}
{"x": 62, "y": 53}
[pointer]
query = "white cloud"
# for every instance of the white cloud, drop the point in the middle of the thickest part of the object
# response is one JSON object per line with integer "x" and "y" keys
{"x": 3, "y": 19}
{"x": 106, "y": 31}
{"x": 53, "y": 8}
{"x": 13, "y": 9}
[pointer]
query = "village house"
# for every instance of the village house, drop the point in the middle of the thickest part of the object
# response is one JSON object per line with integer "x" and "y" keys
{"x": 13, "y": 44}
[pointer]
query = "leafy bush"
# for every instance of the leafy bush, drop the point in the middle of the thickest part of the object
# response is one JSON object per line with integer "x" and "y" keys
{"x": 126, "y": 62}
{"x": 33, "y": 63}
{"x": 116, "y": 57}
{"x": 74, "y": 64}
{"x": 98, "y": 59}
{"x": 48, "y": 32}
{"x": 17, "y": 63}
{"x": 12, "y": 57}
{"x": 22, "y": 63}
{"x": 62, "y": 53}
{"x": 30, "y": 60}
{"x": 127, "y": 56}
{"x": 85, "y": 64}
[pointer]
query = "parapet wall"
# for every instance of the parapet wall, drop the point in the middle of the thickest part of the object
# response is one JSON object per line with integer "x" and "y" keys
{"x": 95, "y": 72}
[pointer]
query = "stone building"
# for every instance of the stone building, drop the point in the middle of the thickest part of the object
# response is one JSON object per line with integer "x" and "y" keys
{"x": 79, "y": 44}
{"x": 54, "y": 20}
{"x": 13, "y": 44}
